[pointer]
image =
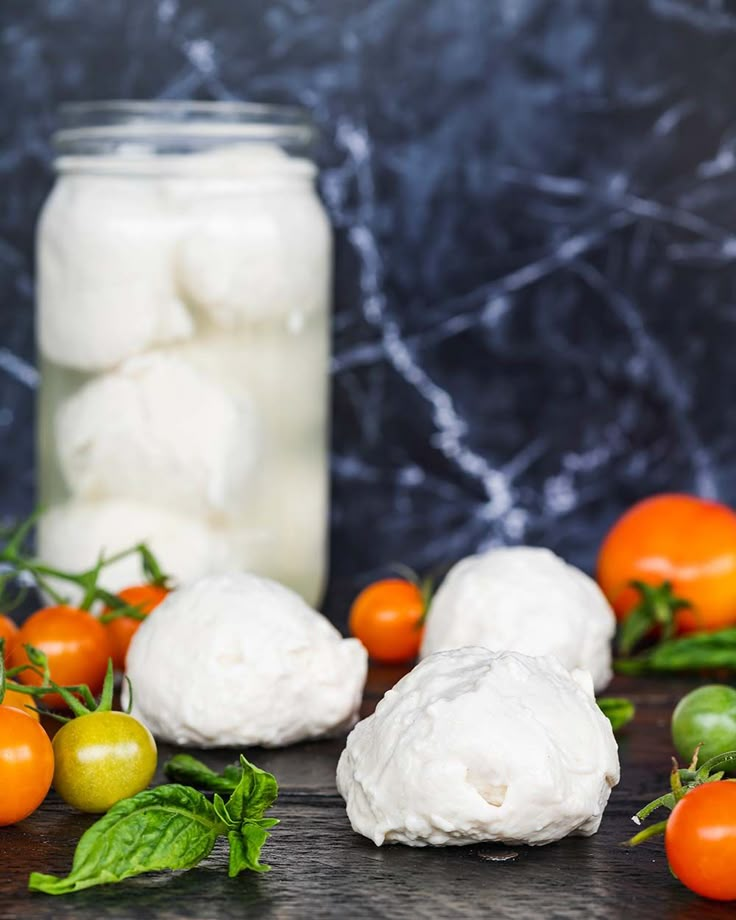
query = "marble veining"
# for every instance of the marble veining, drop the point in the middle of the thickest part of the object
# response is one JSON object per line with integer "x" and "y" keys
{"x": 534, "y": 207}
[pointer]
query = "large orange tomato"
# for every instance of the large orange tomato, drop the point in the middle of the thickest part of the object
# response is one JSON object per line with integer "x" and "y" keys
{"x": 121, "y": 630}
{"x": 26, "y": 765}
{"x": 387, "y": 618}
{"x": 75, "y": 644}
{"x": 686, "y": 541}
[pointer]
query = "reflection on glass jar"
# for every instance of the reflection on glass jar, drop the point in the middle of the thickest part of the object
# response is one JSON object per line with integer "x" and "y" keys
{"x": 184, "y": 265}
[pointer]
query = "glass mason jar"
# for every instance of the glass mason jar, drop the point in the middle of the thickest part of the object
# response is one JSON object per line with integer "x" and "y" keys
{"x": 184, "y": 268}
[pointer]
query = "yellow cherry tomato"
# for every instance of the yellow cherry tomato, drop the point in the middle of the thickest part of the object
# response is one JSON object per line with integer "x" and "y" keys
{"x": 101, "y": 758}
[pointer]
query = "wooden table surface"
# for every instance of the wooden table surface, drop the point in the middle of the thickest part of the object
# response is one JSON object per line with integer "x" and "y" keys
{"x": 322, "y": 869}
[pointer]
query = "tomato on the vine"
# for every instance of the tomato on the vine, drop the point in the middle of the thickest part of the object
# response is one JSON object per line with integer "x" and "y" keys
{"x": 8, "y": 632}
{"x": 22, "y": 701}
{"x": 121, "y": 629}
{"x": 26, "y": 765}
{"x": 387, "y": 618}
{"x": 101, "y": 758}
{"x": 682, "y": 540}
{"x": 700, "y": 840}
{"x": 75, "y": 643}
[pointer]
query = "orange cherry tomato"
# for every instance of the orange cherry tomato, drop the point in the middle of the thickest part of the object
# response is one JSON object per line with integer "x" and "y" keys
{"x": 75, "y": 643}
{"x": 386, "y": 617}
{"x": 682, "y": 539}
{"x": 9, "y": 632}
{"x": 122, "y": 629}
{"x": 17, "y": 700}
{"x": 700, "y": 840}
{"x": 26, "y": 765}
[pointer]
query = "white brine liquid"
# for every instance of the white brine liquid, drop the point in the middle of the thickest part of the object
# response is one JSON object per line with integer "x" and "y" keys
{"x": 183, "y": 325}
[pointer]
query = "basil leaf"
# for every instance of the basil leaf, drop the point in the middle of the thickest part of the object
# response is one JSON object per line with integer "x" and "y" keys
{"x": 170, "y": 827}
{"x": 183, "y": 768}
{"x": 254, "y": 794}
{"x": 246, "y": 846}
{"x": 618, "y": 710}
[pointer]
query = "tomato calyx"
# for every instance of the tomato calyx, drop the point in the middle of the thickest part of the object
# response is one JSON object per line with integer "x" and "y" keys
{"x": 426, "y": 586}
{"x": 78, "y": 698}
{"x": 131, "y": 611}
{"x": 6, "y": 678}
{"x": 682, "y": 781}
{"x": 657, "y": 608}
{"x": 87, "y": 705}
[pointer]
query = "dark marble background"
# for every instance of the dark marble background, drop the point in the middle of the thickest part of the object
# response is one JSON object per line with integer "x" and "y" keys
{"x": 535, "y": 212}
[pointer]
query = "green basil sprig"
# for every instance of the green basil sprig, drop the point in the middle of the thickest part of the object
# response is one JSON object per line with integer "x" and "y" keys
{"x": 171, "y": 827}
{"x": 694, "y": 652}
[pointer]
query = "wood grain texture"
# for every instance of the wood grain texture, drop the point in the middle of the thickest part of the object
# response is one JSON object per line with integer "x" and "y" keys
{"x": 322, "y": 869}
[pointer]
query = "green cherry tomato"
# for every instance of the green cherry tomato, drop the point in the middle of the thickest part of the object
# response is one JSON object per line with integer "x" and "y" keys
{"x": 708, "y": 716}
{"x": 101, "y": 758}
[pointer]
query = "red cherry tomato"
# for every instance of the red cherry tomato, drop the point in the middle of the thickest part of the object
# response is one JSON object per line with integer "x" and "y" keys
{"x": 122, "y": 629}
{"x": 75, "y": 643}
{"x": 26, "y": 765}
{"x": 682, "y": 539}
{"x": 700, "y": 840}
{"x": 386, "y": 617}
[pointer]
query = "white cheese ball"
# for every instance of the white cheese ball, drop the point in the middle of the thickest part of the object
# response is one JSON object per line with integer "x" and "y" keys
{"x": 72, "y": 536}
{"x": 284, "y": 375}
{"x": 527, "y": 600}
{"x": 238, "y": 660}
{"x": 284, "y": 529}
{"x": 106, "y": 286}
{"x": 252, "y": 254}
{"x": 158, "y": 430}
{"x": 476, "y": 746}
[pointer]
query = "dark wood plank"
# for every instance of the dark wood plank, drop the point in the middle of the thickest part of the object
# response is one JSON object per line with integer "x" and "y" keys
{"x": 322, "y": 869}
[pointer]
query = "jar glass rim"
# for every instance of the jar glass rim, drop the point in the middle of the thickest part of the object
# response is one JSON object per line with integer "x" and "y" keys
{"x": 170, "y": 126}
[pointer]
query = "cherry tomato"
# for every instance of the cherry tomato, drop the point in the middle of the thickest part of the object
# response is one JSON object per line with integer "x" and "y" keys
{"x": 17, "y": 700}
{"x": 75, "y": 642}
{"x": 122, "y": 629}
{"x": 706, "y": 717}
{"x": 386, "y": 617}
{"x": 700, "y": 840}
{"x": 682, "y": 539}
{"x": 9, "y": 632}
{"x": 26, "y": 765}
{"x": 101, "y": 758}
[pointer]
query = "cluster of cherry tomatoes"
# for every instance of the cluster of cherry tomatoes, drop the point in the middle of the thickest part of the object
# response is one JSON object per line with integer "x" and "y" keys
{"x": 77, "y": 647}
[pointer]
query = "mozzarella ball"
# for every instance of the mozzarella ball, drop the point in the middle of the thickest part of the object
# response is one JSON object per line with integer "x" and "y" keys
{"x": 72, "y": 536}
{"x": 284, "y": 375}
{"x": 476, "y": 746}
{"x": 237, "y": 660}
{"x": 284, "y": 529}
{"x": 158, "y": 429}
{"x": 254, "y": 252}
{"x": 526, "y": 600}
{"x": 106, "y": 287}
